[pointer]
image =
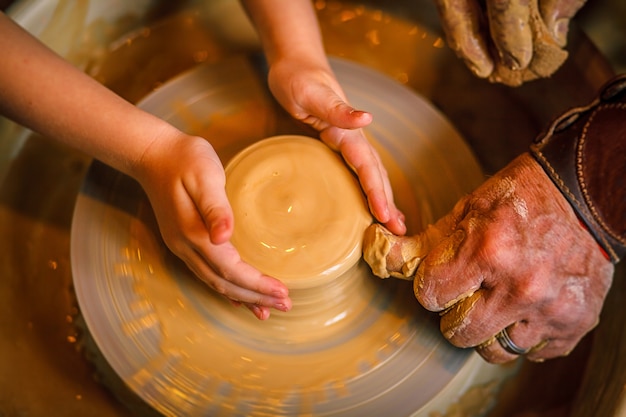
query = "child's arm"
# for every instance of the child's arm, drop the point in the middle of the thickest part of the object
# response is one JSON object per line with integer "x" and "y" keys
{"x": 301, "y": 79}
{"x": 181, "y": 174}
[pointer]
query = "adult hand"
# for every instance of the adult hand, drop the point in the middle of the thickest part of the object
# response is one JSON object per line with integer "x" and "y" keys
{"x": 311, "y": 94}
{"x": 184, "y": 180}
{"x": 511, "y": 255}
{"x": 503, "y": 30}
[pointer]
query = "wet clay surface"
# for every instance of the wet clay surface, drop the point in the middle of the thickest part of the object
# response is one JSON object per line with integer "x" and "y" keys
{"x": 300, "y": 213}
{"x": 44, "y": 371}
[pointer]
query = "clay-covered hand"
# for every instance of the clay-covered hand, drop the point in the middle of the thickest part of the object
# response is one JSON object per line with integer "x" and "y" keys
{"x": 511, "y": 255}
{"x": 184, "y": 180}
{"x": 311, "y": 94}
{"x": 522, "y": 38}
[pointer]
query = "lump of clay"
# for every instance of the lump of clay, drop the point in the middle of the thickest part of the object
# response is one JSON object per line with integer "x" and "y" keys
{"x": 547, "y": 55}
{"x": 389, "y": 255}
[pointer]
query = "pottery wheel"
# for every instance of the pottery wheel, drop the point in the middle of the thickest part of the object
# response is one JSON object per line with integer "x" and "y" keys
{"x": 186, "y": 351}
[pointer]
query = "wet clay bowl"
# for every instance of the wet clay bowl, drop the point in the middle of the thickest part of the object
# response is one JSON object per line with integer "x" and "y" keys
{"x": 299, "y": 211}
{"x": 300, "y": 216}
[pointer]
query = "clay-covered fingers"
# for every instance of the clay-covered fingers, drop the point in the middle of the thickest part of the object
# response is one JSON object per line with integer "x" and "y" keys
{"x": 509, "y": 269}
{"x": 510, "y": 342}
{"x": 517, "y": 259}
{"x": 509, "y": 41}
{"x": 480, "y": 291}
{"x": 557, "y": 15}
{"x": 510, "y": 29}
{"x": 481, "y": 37}
{"x": 445, "y": 277}
{"x": 478, "y": 318}
{"x": 466, "y": 31}
{"x": 551, "y": 329}
{"x": 398, "y": 256}
{"x": 477, "y": 321}
{"x": 390, "y": 255}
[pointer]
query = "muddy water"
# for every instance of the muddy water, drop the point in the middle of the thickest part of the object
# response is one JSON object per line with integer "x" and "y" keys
{"x": 43, "y": 370}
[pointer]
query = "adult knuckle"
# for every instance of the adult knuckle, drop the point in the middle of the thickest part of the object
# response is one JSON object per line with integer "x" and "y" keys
{"x": 424, "y": 290}
{"x": 588, "y": 322}
{"x": 531, "y": 291}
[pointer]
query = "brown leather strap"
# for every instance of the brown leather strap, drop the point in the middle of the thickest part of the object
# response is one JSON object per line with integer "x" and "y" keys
{"x": 584, "y": 153}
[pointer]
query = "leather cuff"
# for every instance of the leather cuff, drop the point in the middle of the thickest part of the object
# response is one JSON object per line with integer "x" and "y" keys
{"x": 584, "y": 153}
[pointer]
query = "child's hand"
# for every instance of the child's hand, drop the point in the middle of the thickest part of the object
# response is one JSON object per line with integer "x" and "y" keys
{"x": 184, "y": 180}
{"x": 311, "y": 94}
{"x": 181, "y": 174}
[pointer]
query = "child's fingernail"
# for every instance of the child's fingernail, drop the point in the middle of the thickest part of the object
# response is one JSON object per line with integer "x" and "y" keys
{"x": 401, "y": 223}
{"x": 281, "y": 307}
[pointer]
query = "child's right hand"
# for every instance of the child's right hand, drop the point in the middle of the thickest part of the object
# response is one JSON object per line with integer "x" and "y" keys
{"x": 184, "y": 180}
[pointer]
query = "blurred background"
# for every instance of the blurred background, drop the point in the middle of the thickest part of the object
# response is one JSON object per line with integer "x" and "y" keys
{"x": 602, "y": 20}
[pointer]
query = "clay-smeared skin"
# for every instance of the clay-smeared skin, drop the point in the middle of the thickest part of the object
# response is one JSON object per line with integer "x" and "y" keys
{"x": 397, "y": 256}
{"x": 557, "y": 15}
{"x": 509, "y": 25}
{"x": 509, "y": 41}
{"x": 511, "y": 254}
{"x": 466, "y": 34}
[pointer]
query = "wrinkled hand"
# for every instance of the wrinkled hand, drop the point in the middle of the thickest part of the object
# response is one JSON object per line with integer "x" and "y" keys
{"x": 312, "y": 95}
{"x": 510, "y": 255}
{"x": 502, "y": 31}
{"x": 184, "y": 180}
